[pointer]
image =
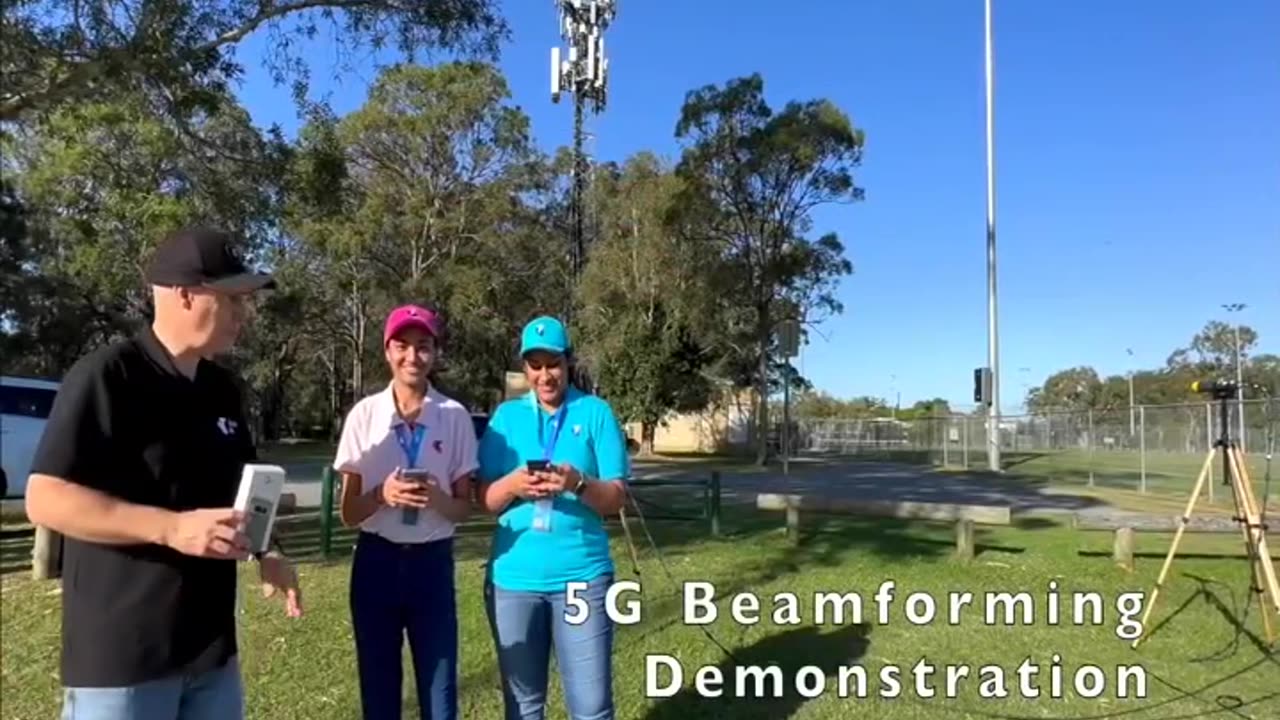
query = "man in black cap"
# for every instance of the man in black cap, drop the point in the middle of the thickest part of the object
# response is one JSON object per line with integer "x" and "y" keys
{"x": 138, "y": 469}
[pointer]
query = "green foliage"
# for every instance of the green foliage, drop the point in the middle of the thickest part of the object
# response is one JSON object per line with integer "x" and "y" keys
{"x": 181, "y": 53}
{"x": 751, "y": 177}
{"x": 418, "y": 196}
{"x": 645, "y": 300}
{"x": 1214, "y": 347}
{"x": 1211, "y": 353}
{"x": 430, "y": 192}
{"x": 101, "y": 183}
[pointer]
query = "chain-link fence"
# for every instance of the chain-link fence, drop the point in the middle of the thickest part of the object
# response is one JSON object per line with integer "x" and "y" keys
{"x": 1147, "y": 447}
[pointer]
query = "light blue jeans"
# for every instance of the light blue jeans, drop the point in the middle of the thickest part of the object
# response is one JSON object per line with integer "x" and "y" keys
{"x": 215, "y": 695}
{"x": 525, "y": 625}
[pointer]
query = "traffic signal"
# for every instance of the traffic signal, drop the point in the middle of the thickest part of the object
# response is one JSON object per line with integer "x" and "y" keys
{"x": 982, "y": 385}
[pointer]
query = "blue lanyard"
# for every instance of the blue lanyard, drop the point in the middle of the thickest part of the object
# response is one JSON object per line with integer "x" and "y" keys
{"x": 557, "y": 423}
{"x": 411, "y": 445}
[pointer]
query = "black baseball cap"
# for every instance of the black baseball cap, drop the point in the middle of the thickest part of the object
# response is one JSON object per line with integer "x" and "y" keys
{"x": 203, "y": 257}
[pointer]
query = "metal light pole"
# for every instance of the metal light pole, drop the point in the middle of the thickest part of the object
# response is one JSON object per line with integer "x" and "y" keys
{"x": 585, "y": 74}
{"x": 1234, "y": 308}
{"x": 1131, "y": 423}
{"x": 893, "y": 388}
{"x": 993, "y": 341}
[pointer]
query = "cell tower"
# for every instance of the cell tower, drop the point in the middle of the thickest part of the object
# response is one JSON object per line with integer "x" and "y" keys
{"x": 584, "y": 73}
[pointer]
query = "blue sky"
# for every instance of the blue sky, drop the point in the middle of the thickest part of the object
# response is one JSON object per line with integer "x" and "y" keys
{"x": 1137, "y": 166}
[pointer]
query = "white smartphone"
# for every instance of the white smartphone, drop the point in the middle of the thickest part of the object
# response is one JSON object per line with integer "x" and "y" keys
{"x": 258, "y": 498}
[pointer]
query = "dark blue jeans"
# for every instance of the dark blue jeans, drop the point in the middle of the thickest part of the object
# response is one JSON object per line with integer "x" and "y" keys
{"x": 525, "y": 625}
{"x": 399, "y": 590}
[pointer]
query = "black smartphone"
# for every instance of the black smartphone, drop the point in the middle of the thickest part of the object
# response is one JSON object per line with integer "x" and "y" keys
{"x": 537, "y": 465}
{"x": 418, "y": 475}
{"x": 409, "y": 515}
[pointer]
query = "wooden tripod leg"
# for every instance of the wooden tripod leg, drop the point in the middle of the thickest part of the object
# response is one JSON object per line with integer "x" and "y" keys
{"x": 1256, "y": 510}
{"x": 1256, "y": 541}
{"x": 1249, "y": 521}
{"x": 1173, "y": 547}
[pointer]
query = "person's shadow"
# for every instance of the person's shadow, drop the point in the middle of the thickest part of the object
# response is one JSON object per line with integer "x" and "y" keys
{"x": 762, "y": 698}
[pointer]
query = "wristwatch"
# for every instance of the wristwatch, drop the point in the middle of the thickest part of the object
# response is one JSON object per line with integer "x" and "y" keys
{"x": 578, "y": 486}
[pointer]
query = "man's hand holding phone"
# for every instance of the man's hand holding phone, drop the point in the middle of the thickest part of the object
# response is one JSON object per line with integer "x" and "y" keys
{"x": 212, "y": 533}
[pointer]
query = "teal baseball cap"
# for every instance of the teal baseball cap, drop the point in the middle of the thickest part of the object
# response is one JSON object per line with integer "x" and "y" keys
{"x": 544, "y": 333}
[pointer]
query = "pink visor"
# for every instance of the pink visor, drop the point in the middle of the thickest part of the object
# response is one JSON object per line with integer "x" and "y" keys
{"x": 407, "y": 316}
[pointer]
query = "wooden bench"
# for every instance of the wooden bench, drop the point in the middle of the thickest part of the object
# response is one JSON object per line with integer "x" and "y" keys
{"x": 964, "y": 516}
{"x": 1125, "y": 526}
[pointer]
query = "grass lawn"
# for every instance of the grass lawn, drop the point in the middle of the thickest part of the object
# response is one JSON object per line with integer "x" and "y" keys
{"x": 1206, "y": 656}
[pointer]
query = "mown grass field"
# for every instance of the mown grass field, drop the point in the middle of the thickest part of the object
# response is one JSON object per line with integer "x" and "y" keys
{"x": 1165, "y": 472}
{"x": 1208, "y": 654}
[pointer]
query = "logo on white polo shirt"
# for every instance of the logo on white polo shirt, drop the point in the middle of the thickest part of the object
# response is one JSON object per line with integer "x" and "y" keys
{"x": 227, "y": 426}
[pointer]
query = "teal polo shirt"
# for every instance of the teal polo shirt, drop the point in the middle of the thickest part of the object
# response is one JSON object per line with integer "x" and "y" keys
{"x": 576, "y": 548}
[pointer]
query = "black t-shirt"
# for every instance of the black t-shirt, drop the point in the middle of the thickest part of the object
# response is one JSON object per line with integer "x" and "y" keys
{"x": 126, "y": 422}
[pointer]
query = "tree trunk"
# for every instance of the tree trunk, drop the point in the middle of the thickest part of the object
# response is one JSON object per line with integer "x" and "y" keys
{"x": 329, "y": 357}
{"x": 762, "y": 391}
{"x": 647, "y": 431}
{"x": 273, "y": 402}
{"x": 358, "y": 324}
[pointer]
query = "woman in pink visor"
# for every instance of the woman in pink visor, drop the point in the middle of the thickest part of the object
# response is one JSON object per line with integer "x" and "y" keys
{"x": 407, "y": 455}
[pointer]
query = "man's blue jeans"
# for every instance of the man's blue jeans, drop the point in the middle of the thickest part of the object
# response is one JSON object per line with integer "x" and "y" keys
{"x": 525, "y": 625}
{"x": 215, "y": 695}
{"x": 398, "y": 591}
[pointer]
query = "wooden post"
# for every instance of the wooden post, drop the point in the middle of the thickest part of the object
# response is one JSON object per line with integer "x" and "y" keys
{"x": 326, "y": 512}
{"x": 1122, "y": 551}
{"x": 713, "y": 502}
{"x": 793, "y": 523}
{"x": 964, "y": 539}
{"x": 46, "y": 554}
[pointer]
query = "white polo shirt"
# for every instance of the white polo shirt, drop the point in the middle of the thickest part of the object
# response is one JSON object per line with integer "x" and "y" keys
{"x": 369, "y": 447}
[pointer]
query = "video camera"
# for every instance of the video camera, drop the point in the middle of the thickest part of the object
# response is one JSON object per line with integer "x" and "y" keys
{"x": 1219, "y": 389}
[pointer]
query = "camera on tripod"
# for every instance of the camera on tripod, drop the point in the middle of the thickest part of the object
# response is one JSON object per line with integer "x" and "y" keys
{"x": 1218, "y": 389}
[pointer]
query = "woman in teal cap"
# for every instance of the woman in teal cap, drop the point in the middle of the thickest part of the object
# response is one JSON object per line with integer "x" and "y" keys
{"x": 554, "y": 463}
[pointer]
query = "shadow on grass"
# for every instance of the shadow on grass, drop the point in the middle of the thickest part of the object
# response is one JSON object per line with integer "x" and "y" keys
{"x": 1235, "y": 617}
{"x": 774, "y": 696}
{"x": 1014, "y": 459}
{"x": 663, "y": 606}
{"x": 1153, "y": 555}
{"x": 1036, "y": 523}
{"x": 887, "y": 538}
